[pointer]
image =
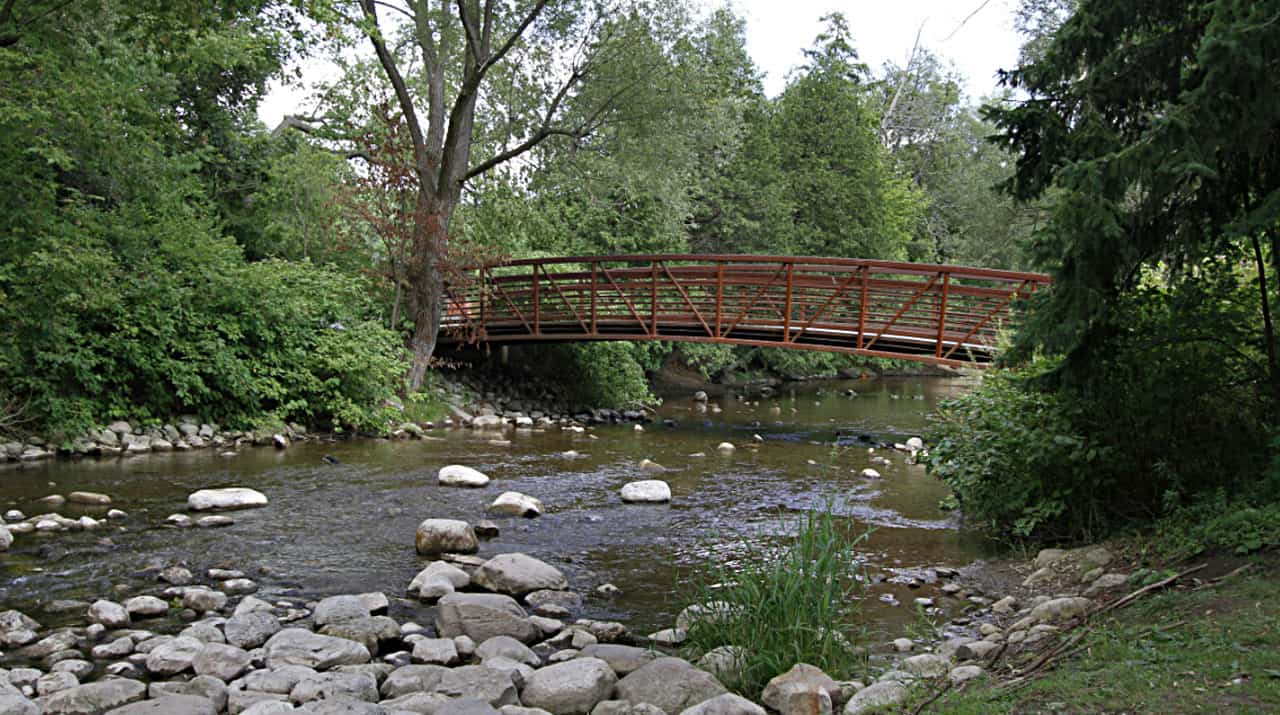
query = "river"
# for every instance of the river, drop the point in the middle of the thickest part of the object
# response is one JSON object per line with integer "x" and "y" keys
{"x": 349, "y": 527}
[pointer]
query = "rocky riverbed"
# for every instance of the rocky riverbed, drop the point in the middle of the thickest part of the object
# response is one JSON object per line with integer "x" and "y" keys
{"x": 573, "y": 529}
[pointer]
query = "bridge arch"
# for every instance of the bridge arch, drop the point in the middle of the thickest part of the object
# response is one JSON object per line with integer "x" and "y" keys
{"x": 939, "y": 314}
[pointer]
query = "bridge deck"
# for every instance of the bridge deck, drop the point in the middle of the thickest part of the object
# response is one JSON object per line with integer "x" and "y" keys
{"x": 931, "y": 313}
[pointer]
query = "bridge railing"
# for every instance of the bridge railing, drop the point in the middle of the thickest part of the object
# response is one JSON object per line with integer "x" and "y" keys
{"x": 937, "y": 313}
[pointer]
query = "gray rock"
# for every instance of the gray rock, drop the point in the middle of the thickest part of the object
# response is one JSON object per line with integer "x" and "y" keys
{"x": 803, "y": 688}
{"x": 57, "y": 641}
{"x": 54, "y": 682}
{"x": 13, "y": 702}
{"x": 173, "y": 656}
{"x": 456, "y": 475}
{"x": 438, "y": 579}
{"x": 80, "y": 668}
{"x": 17, "y": 629}
{"x": 481, "y": 616}
{"x": 146, "y": 606}
{"x": 442, "y": 536}
{"x": 201, "y": 686}
{"x": 517, "y": 574}
{"x": 251, "y": 629}
{"x": 412, "y": 679}
{"x": 571, "y": 688}
{"x": 646, "y": 491}
{"x": 624, "y": 659}
{"x": 327, "y": 686}
{"x": 370, "y": 631}
{"x": 669, "y": 683}
{"x": 204, "y": 631}
{"x": 435, "y": 651}
{"x": 170, "y": 705}
{"x": 339, "y": 608}
{"x": 203, "y": 600}
{"x": 252, "y": 604}
{"x": 94, "y": 698}
{"x": 516, "y": 504}
{"x": 874, "y": 696}
{"x": 296, "y": 646}
{"x": 279, "y": 680}
{"x": 1060, "y": 609}
{"x": 727, "y": 704}
{"x": 476, "y": 681}
{"x": 269, "y": 707}
{"x": 507, "y": 647}
{"x": 118, "y": 648}
{"x": 239, "y": 701}
{"x": 724, "y": 661}
{"x": 927, "y": 665}
{"x": 228, "y": 498}
{"x": 1106, "y": 582}
{"x": 962, "y": 673}
{"x": 425, "y": 703}
{"x": 626, "y": 707}
{"x": 224, "y": 662}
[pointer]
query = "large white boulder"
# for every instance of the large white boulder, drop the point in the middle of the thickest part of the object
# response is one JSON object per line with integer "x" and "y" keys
{"x": 518, "y": 574}
{"x": 445, "y": 536}
{"x": 227, "y": 498}
{"x": 456, "y": 475}
{"x": 572, "y": 688}
{"x": 647, "y": 491}
{"x": 516, "y": 504}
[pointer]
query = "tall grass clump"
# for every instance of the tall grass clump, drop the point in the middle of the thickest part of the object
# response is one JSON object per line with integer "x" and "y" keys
{"x": 783, "y": 604}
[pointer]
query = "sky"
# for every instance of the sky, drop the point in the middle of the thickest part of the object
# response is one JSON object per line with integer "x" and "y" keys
{"x": 778, "y": 30}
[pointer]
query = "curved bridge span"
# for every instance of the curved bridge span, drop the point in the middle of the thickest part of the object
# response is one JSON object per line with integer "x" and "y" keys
{"x": 939, "y": 314}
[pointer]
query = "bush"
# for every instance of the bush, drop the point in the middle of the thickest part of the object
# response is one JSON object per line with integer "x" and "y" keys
{"x": 1016, "y": 462}
{"x": 1172, "y": 410}
{"x": 785, "y": 606}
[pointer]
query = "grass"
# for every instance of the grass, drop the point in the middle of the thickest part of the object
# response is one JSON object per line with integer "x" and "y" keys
{"x": 788, "y": 604}
{"x": 1215, "y": 650}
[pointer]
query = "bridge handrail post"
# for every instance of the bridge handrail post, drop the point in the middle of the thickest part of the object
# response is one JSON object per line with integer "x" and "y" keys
{"x": 537, "y": 303}
{"x": 653, "y": 299}
{"x": 942, "y": 312}
{"x": 786, "y": 316}
{"x": 719, "y": 296}
{"x": 594, "y": 265}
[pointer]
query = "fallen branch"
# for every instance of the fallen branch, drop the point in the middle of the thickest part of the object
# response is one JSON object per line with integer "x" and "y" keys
{"x": 1215, "y": 581}
{"x": 1121, "y": 603}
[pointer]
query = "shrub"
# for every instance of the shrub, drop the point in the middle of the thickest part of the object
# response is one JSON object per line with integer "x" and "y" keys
{"x": 1172, "y": 410}
{"x": 785, "y": 605}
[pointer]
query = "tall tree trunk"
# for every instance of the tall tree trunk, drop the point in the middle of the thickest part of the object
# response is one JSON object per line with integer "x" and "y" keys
{"x": 1273, "y": 368}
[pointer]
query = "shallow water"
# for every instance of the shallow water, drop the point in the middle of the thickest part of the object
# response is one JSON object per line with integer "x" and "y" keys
{"x": 349, "y": 527}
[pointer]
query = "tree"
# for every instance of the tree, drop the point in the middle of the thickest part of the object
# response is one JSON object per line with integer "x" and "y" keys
{"x": 451, "y": 103}
{"x": 849, "y": 199}
{"x": 1154, "y": 126}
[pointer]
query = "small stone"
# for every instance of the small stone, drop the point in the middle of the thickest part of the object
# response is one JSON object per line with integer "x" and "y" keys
{"x": 226, "y": 498}
{"x": 213, "y": 522}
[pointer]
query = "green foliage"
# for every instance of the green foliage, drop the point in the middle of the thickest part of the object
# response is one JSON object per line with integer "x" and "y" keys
{"x": 785, "y": 605}
{"x": 126, "y": 134}
{"x": 1028, "y": 460}
{"x": 1217, "y": 522}
{"x": 1016, "y": 462}
{"x": 604, "y": 374}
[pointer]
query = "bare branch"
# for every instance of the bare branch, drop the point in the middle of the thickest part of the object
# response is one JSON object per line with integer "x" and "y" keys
{"x": 474, "y": 43}
{"x": 543, "y": 131}
{"x": 402, "y": 93}
{"x": 496, "y": 57}
{"x": 395, "y": 8}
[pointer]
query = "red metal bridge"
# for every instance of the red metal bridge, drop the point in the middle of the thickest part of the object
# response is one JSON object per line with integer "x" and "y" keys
{"x": 931, "y": 313}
